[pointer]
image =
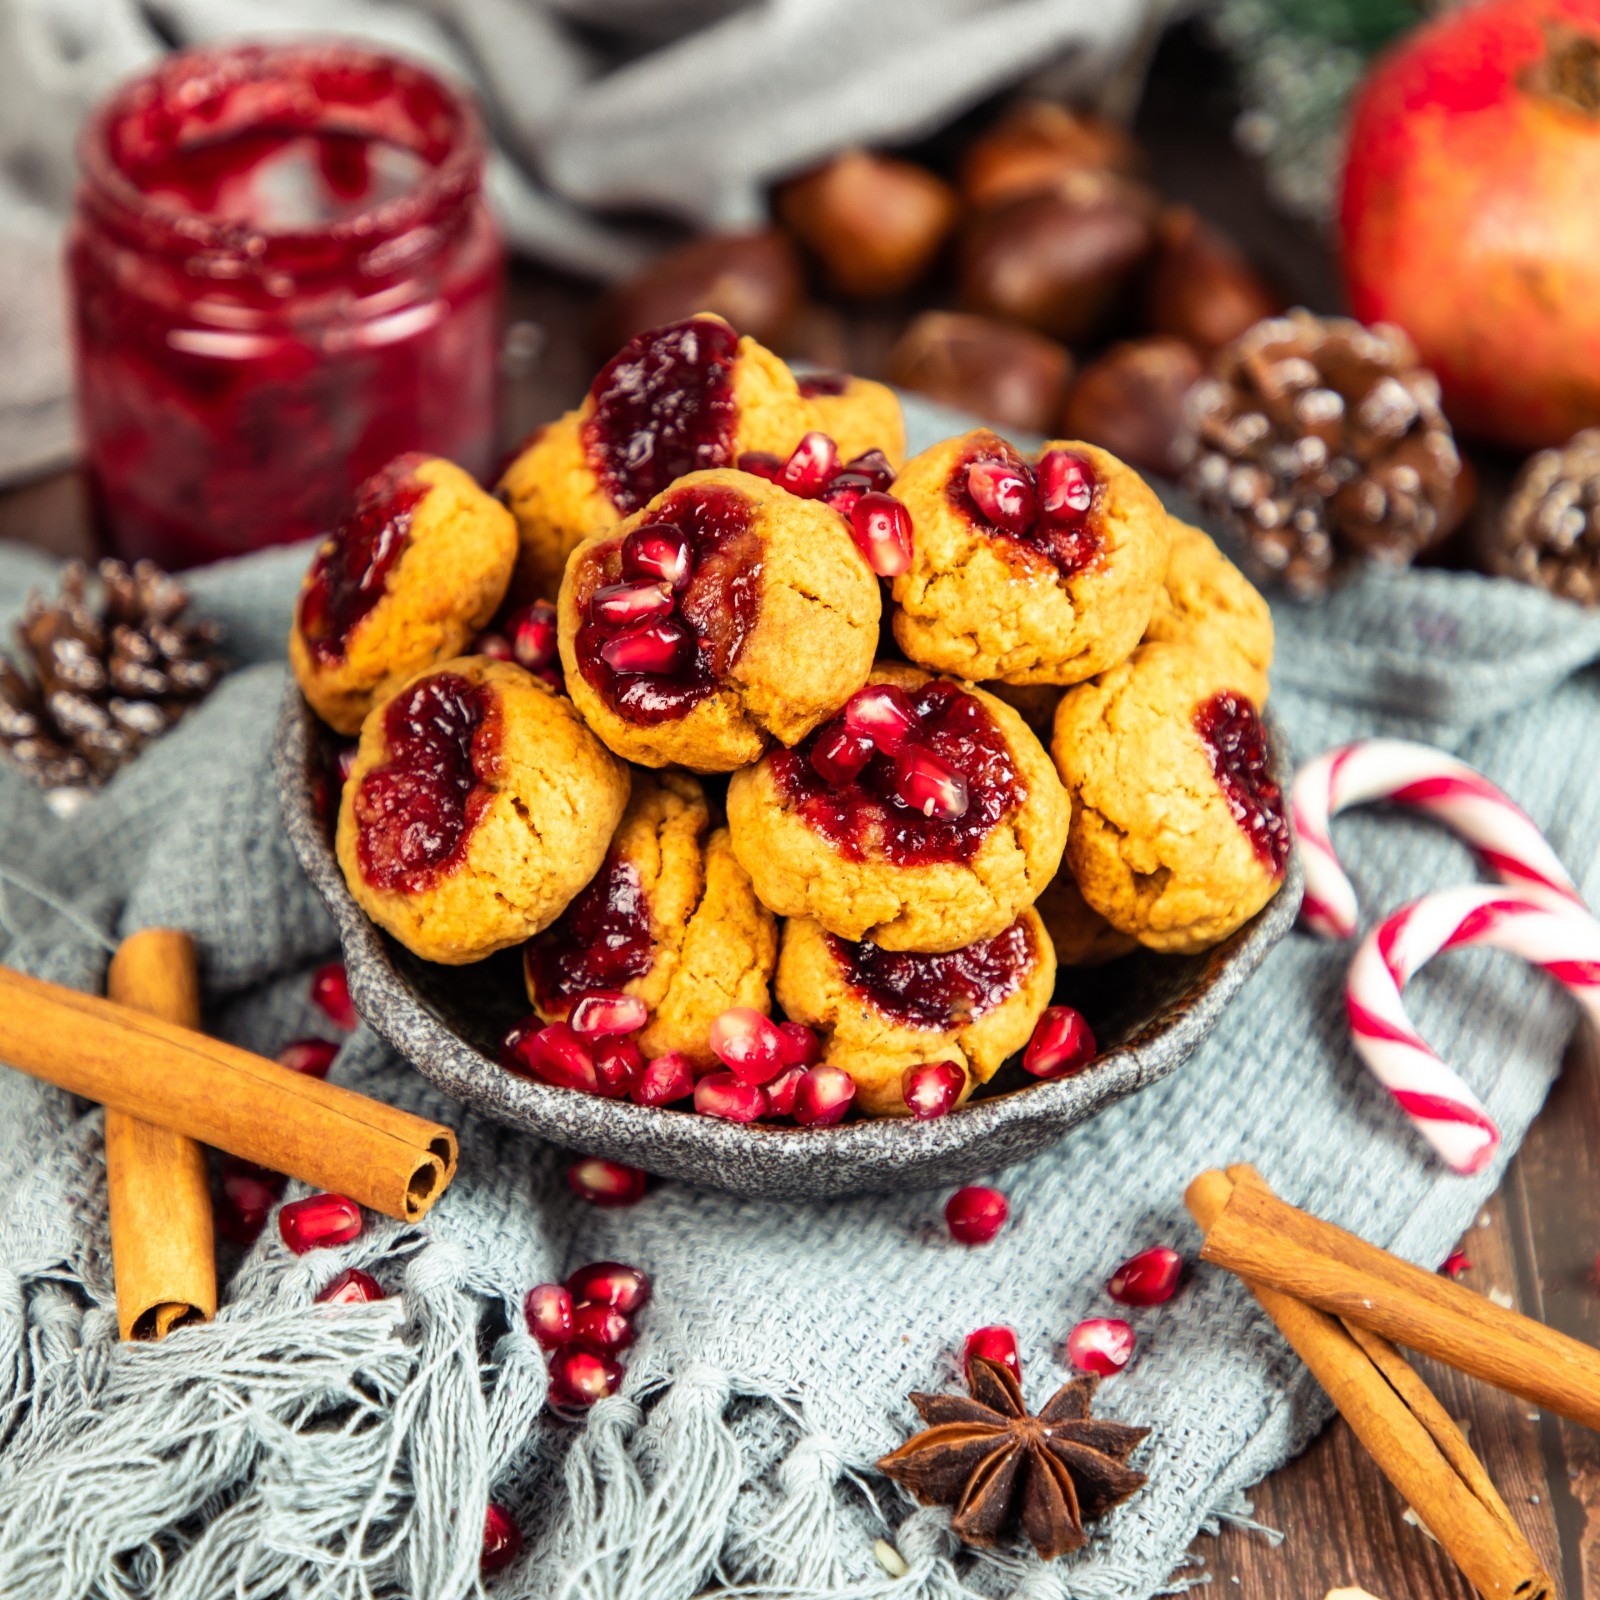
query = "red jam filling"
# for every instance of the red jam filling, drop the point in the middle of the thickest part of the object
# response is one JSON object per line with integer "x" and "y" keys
{"x": 813, "y": 384}
{"x": 939, "y": 991}
{"x": 351, "y": 570}
{"x": 599, "y": 942}
{"x": 653, "y": 642}
{"x": 1237, "y": 744}
{"x": 1049, "y": 509}
{"x": 663, "y": 406}
{"x": 867, "y": 818}
{"x": 415, "y": 813}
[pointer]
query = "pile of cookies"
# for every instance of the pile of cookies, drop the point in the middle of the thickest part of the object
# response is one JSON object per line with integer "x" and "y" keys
{"x": 718, "y": 702}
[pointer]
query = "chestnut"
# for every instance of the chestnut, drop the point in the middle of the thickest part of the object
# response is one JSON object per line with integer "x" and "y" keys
{"x": 1038, "y": 143}
{"x": 1130, "y": 402}
{"x": 1201, "y": 287}
{"x": 1005, "y": 374}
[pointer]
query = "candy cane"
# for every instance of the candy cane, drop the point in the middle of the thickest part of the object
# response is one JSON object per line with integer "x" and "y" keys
{"x": 1558, "y": 939}
{"x": 1503, "y": 834}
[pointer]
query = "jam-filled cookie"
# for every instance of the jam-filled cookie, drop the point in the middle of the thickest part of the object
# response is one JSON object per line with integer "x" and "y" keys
{"x": 669, "y": 917}
{"x": 1039, "y": 572}
{"x": 858, "y": 414}
{"x": 1080, "y": 935}
{"x": 1179, "y": 831}
{"x": 880, "y": 1011}
{"x": 407, "y": 579}
{"x": 478, "y": 806}
{"x": 725, "y": 613}
{"x": 924, "y": 817}
{"x": 1207, "y": 602}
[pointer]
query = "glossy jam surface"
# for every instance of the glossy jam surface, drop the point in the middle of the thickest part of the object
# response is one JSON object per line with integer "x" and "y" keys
{"x": 1068, "y": 536}
{"x": 866, "y": 819}
{"x": 938, "y": 991}
{"x": 663, "y": 406}
{"x": 599, "y": 942}
{"x": 1237, "y": 744}
{"x": 351, "y": 571}
{"x": 715, "y": 610}
{"x": 284, "y": 275}
{"x": 415, "y": 813}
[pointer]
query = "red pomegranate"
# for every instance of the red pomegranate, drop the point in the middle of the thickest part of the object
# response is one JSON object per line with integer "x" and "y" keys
{"x": 1470, "y": 213}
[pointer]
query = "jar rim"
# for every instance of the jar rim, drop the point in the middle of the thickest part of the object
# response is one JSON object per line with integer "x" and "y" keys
{"x": 182, "y": 83}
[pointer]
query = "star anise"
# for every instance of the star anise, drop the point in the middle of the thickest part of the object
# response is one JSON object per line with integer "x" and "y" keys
{"x": 994, "y": 1464}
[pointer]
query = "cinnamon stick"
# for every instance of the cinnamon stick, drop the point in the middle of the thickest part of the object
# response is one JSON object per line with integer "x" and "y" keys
{"x": 1404, "y": 1428}
{"x": 376, "y": 1154}
{"x": 161, "y": 1238}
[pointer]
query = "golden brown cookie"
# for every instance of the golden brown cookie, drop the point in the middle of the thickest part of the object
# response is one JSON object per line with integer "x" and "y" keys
{"x": 1032, "y": 573}
{"x": 1080, "y": 935}
{"x": 1179, "y": 833}
{"x": 1207, "y": 602}
{"x": 879, "y": 1011}
{"x": 857, "y": 414}
{"x": 669, "y": 917}
{"x": 1035, "y": 703}
{"x": 478, "y": 806}
{"x": 725, "y": 613}
{"x": 858, "y": 826}
{"x": 407, "y": 579}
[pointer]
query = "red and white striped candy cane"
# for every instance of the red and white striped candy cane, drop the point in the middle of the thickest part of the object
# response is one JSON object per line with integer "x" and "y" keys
{"x": 1503, "y": 834}
{"x": 1559, "y": 939}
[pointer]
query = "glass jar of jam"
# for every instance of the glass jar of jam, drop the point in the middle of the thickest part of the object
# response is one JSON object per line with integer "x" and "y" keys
{"x": 284, "y": 274}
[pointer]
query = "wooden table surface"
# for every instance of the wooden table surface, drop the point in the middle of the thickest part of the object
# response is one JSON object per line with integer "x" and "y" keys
{"x": 1535, "y": 1242}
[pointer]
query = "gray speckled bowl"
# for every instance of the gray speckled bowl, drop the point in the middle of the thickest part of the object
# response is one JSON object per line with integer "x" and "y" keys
{"x": 1148, "y": 1012}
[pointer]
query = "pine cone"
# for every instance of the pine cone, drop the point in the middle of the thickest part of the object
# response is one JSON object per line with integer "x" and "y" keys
{"x": 105, "y": 678}
{"x": 1321, "y": 443}
{"x": 1550, "y": 528}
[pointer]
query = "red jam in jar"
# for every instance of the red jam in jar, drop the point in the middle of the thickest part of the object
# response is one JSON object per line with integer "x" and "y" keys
{"x": 284, "y": 276}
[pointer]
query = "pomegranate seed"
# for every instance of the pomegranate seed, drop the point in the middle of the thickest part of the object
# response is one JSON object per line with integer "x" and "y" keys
{"x": 974, "y": 1215}
{"x": 547, "y": 1309}
{"x": 502, "y": 1539}
{"x": 518, "y": 1051}
{"x": 659, "y": 550}
{"x": 318, "y": 1221}
{"x": 1147, "y": 1279}
{"x": 782, "y": 1090}
{"x": 932, "y": 1089}
{"x": 798, "y": 1046}
{"x": 929, "y": 785}
{"x": 603, "y": 1329}
{"x": 667, "y": 1078}
{"x": 823, "y": 1096}
{"x": 560, "y": 1057}
{"x": 580, "y": 1377}
{"x": 532, "y": 632}
{"x": 619, "y": 604}
{"x": 352, "y": 1287}
{"x": 1455, "y": 1264}
{"x": 883, "y": 714}
{"x": 310, "y": 1056}
{"x": 1066, "y": 485}
{"x": 610, "y": 1283}
{"x": 347, "y": 761}
{"x": 720, "y": 1094}
{"x": 650, "y": 647}
{"x": 994, "y": 1343}
{"x": 1061, "y": 1044}
{"x": 248, "y": 1196}
{"x": 882, "y": 529}
{"x": 330, "y": 994}
{"x": 1004, "y": 494}
{"x": 839, "y": 755}
{"x": 747, "y": 1044}
{"x": 1102, "y": 1345}
{"x": 494, "y": 645}
{"x": 811, "y": 464}
{"x": 874, "y": 465}
{"x": 617, "y": 1068}
{"x": 844, "y": 491}
{"x": 605, "y": 1183}
{"x": 760, "y": 463}
{"x": 607, "y": 1012}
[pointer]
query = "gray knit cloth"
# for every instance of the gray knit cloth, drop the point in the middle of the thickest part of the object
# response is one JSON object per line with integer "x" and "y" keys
{"x": 291, "y": 1451}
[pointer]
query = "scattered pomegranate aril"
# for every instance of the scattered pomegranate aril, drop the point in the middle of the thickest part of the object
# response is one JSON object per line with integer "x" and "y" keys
{"x": 882, "y": 529}
{"x": 929, "y": 785}
{"x": 844, "y": 491}
{"x": 330, "y": 994}
{"x": 782, "y": 1090}
{"x": 502, "y": 1539}
{"x": 759, "y": 463}
{"x": 494, "y": 645}
{"x": 747, "y": 1044}
{"x": 872, "y": 464}
{"x": 658, "y": 550}
{"x": 1101, "y": 1345}
{"x": 547, "y": 1309}
{"x": 610, "y": 1283}
{"x": 1148, "y": 1279}
{"x": 318, "y": 1221}
{"x": 1061, "y": 1044}
{"x": 248, "y": 1196}
{"x": 1004, "y": 494}
{"x": 352, "y": 1287}
{"x": 667, "y": 1078}
{"x": 822, "y": 1096}
{"x": 839, "y": 754}
{"x": 798, "y": 1046}
{"x": 974, "y": 1215}
{"x": 884, "y": 714}
{"x": 811, "y": 464}
{"x": 532, "y": 632}
{"x": 1455, "y": 1264}
{"x": 518, "y": 1051}
{"x": 1066, "y": 486}
{"x": 601, "y": 1328}
{"x": 618, "y": 605}
{"x": 606, "y": 1012}
{"x": 313, "y": 1057}
{"x": 649, "y": 647}
{"x": 720, "y": 1094}
{"x": 581, "y": 1377}
{"x": 932, "y": 1089}
{"x": 560, "y": 1057}
{"x": 617, "y": 1068}
{"x": 605, "y": 1183}
{"x": 993, "y": 1343}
